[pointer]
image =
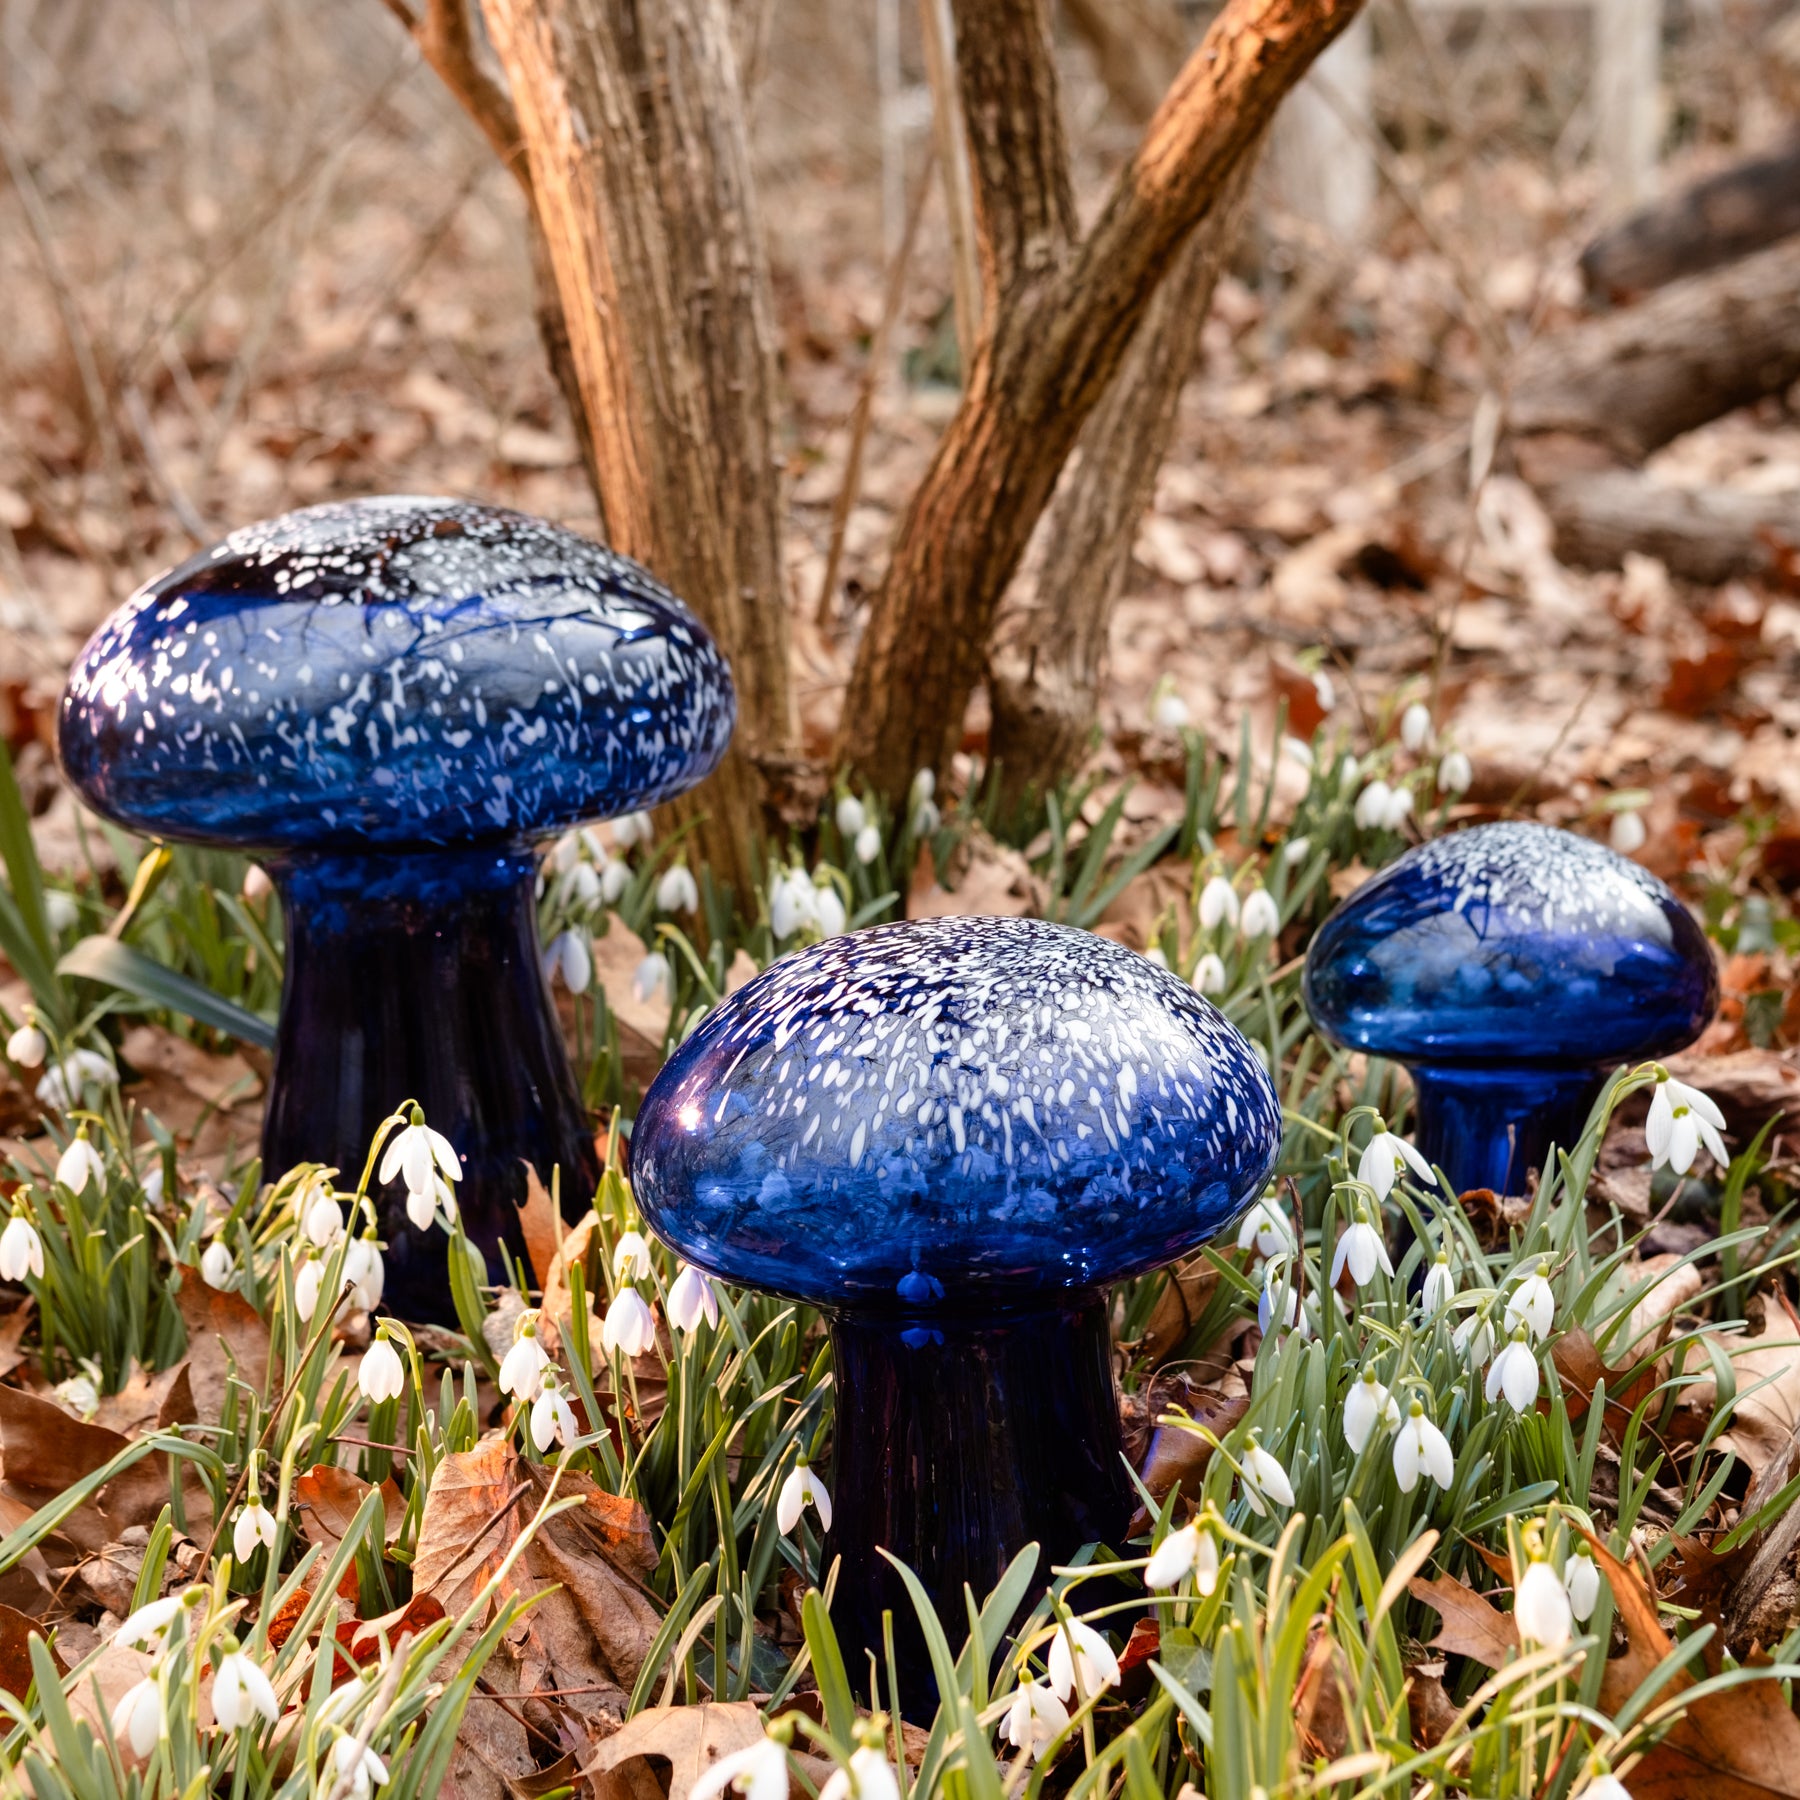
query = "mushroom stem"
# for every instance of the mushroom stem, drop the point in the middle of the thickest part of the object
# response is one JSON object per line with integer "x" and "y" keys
{"x": 1485, "y": 1128}
{"x": 958, "y": 1443}
{"x": 417, "y": 975}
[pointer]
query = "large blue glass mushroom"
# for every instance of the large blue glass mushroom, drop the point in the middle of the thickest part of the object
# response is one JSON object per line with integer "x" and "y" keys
{"x": 1509, "y": 967}
{"x": 390, "y": 699}
{"x": 951, "y": 1135}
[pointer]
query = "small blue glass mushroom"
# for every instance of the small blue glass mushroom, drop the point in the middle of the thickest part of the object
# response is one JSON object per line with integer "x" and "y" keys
{"x": 391, "y": 699}
{"x": 1509, "y": 967}
{"x": 951, "y": 1135}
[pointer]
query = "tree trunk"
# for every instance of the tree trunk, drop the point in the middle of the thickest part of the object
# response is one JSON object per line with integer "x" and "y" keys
{"x": 1056, "y": 343}
{"x": 1695, "y": 349}
{"x": 631, "y": 114}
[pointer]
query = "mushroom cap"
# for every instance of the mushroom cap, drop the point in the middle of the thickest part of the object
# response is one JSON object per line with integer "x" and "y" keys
{"x": 395, "y": 672}
{"x": 1513, "y": 944}
{"x": 953, "y": 1111}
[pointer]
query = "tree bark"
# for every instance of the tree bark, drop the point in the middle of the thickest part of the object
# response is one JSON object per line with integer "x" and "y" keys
{"x": 1053, "y": 350}
{"x": 1695, "y": 349}
{"x": 632, "y": 117}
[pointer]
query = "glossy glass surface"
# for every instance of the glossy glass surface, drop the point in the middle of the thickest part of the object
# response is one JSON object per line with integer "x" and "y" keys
{"x": 1489, "y": 1128}
{"x": 1512, "y": 944}
{"x": 953, "y": 1113}
{"x": 393, "y": 672}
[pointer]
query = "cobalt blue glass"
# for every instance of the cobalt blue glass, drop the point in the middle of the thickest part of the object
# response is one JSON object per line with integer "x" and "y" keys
{"x": 391, "y": 699}
{"x": 951, "y": 1135}
{"x": 1509, "y": 967}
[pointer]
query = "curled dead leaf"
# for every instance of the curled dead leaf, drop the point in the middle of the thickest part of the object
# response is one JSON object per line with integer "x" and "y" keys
{"x": 1472, "y": 1625}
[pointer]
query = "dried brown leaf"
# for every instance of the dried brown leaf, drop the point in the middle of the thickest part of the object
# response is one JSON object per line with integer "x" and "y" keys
{"x": 227, "y": 1339}
{"x": 329, "y": 1499}
{"x": 16, "y": 1632}
{"x": 1473, "y": 1626}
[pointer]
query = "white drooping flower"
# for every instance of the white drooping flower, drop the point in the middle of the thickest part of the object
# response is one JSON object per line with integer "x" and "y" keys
{"x": 1440, "y": 1285}
{"x": 1296, "y": 851}
{"x": 1541, "y": 1608}
{"x": 629, "y": 1328}
{"x": 1209, "y": 974}
{"x": 676, "y": 891}
{"x": 631, "y": 1257}
{"x": 308, "y": 1279}
{"x": 1384, "y": 1156}
{"x": 921, "y": 808}
{"x": 1415, "y": 726}
{"x": 1297, "y": 750}
{"x": 1265, "y": 1481}
{"x": 870, "y": 1776}
{"x": 1035, "y": 1719}
{"x": 254, "y": 1525}
{"x": 1532, "y": 1304}
{"x": 525, "y": 1362}
{"x": 552, "y": 1417}
{"x": 361, "y": 1768}
{"x": 802, "y": 1487}
{"x": 152, "y": 1184}
{"x": 1399, "y": 808}
{"x": 1261, "y": 917}
{"x": 615, "y": 878}
{"x": 1265, "y": 1227}
{"x": 1168, "y": 711}
{"x": 1582, "y": 1580}
{"x": 868, "y": 844}
{"x": 148, "y": 1627}
{"x": 21, "y": 1249}
{"x": 1362, "y": 1251}
{"x": 568, "y": 959}
{"x": 1628, "y": 834}
{"x": 1455, "y": 775}
{"x": 653, "y": 979}
{"x": 1279, "y": 1291}
{"x": 1218, "y": 904}
{"x": 1605, "y": 1786}
{"x": 382, "y": 1375}
{"x": 1079, "y": 1651}
{"x": 218, "y": 1269}
{"x": 242, "y": 1692}
{"x": 1474, "y": 1338}
{"x": 1371, "y": 809}
{"x": 61, "y": 912}
{"x": 65, "y": 1082}
{"x": 1192, "y": 1550}
{"x": 828, "y": 910}
{"x": 791, "y": 903}
{"x": 364, "y": 1271}
{"x": 425, "y": 1204}
{"x": 322, "y": 1222}
{"x": 1681, "y": 1120}
{"x": 691, "y": 1299}
{"x": 1420, "y": 1448}
{"x": 1366, "y": 1405}
{"x": 138, "y": 1718}
{"x": 633, "y": 828}
{"x": 79, "y": 1164}
{"x": 1324, "y": 689}
{"x": 415, "y": 1151}
{"x": 27, "y": 1047}
{"x": 1515, "y": 1373}
{"x": 1153, "y": 953}
{"x": 757, "y": 1773}
{"x": 851, "y": 816}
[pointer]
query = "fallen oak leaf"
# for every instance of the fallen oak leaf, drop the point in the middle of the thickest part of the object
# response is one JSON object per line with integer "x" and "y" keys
{"x": 1473, "y": 1626}
{"x": 690, "y": 1739}
{"x": 16, "y": 1633}
{"x": 364, "y": 1638}
{"x": 329, "y": 1499}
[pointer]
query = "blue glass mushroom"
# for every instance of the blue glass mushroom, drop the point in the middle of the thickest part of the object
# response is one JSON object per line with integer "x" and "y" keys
{"x": 1509, "y": 967}
{"x": 951, "y": 1135}
{"x": 390, "y": 700}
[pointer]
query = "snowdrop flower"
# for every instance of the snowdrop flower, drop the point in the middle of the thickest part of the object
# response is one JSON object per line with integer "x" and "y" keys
{"x": 1581, "y": 1580}
{"x": 218, "y": 1268}
{"x": 364, "y": 1271}
{"x": 60, "y": 911}
{"x": 148, "y": 1627}
{"x": 868, "y": 844}
{"x": 758, "y": 1773}
{"x": 1078, "y": 1650}
{"x": 1440, "y": 1285}
{"x": 1399, "y": 808}
{"x": 1514, "y": 1373}
{"x": 416, "y": 1151}
{"x": 307, "y": 1281}
{"x": 66, "y": 1081}
{"x": 1532, "y": 1303}
{"x": 1035, "y": 1719}
{"x": 802, "y": 1486}
{"x": 676, "y": 891}
{"x": 27, "y": 1047}
{"x": 241, "y": 1691}
{"x": 552, "y": 1417}
{"x": 654, "y": 979}
{"x": 138, "y": 1718}
{"x": 1189, "y": 1551}
{"x": 615, "y": 878}
{"x": 426, "y": 1203}
{"x": 828, "y": 910}
{"x": 322, "y": 1222}
{"x": 382, "y": 1376}
{"x": 1605, "y": 1786}
{"x": 1474, "y": 1338}
{"x": 870, "y": 1776}
{"x": 152, "y": 1184}
{"x": 1265, "y": 1227}
{"x": 1209, "y": 975}
{"x": 1383, "y": 1157}
{"x": 1261, "y": 916}
{"x": 1541, "y": 1608}
{"x": 1681, "y": 1120}
{"x": 567, "y": 958}
{"x": 790, "y": 904}
{"x": 630, "y": 1326}
{"x": 1276, "y": 1280}
{"x": 1324, "y": 689}
{"x": 1265, "y": 1480}
{"x": 583, "y": 884}
{"x": 1367, "y": 1405}
{"x": 1371, "y": 808}
{"x": 525, "y": 1362}
{"x": 1420, "y": 1448}
{"x": 1361, "y": 1250}
{"x": 633, "y": 828}
{"x": 21, "y": 1249}
{"x": 1297, "y": 750}
{"x": 851, "y": 816}
{"x": 1154, "y": 954}
{"x": 362, "y": 1768}
{"x": 1218, "y": 904}
{"x": 692, "y": 1299}
{"x": 1627, "y": 835}
{"x": 1168, "y": 711}
{"x": 921, "y": 808}
{"x": 1454, "y": 773}
{"x": 633, "y": 1254}
{"x": 254, "y": 1525}
{"x": 1415, "y": 726}
{"x": 1296, "y": 851}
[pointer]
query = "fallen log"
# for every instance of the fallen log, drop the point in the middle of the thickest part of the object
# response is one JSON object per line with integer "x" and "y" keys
{"x": 1708, "y": 534}
{"x": 1729, "y": 215}
{"x": 1695, "y": 349}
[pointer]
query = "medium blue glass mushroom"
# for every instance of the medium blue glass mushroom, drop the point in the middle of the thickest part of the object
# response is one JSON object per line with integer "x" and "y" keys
{"x": 951, "y": 1135}
{"x": 391, "y": 699}
{"x": 1509, "y": 967}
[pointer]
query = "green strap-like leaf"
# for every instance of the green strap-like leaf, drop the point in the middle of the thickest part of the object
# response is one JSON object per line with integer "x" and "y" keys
{"x": 106, "y": 960}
